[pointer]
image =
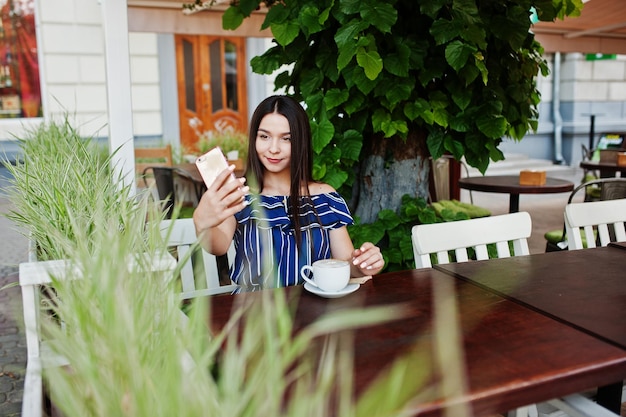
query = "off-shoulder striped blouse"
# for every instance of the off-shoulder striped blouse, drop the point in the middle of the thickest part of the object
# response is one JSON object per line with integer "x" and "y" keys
{"x": 266, "y": 252}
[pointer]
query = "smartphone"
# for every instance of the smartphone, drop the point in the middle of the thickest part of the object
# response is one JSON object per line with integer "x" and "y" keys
{"x": 211, "y": 164}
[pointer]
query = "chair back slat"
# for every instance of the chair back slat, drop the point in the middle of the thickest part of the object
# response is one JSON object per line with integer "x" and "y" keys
{"x": 458, "y": 236}
{"x": 606, "y": 218}
{"x": 181, "y": 236}
{"x": 156, "y": 156}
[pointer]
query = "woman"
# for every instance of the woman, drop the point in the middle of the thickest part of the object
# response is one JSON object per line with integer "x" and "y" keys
{"x": 289, "y": 220}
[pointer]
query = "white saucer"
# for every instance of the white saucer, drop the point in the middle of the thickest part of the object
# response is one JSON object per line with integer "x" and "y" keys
{"x": 349, "y": 289}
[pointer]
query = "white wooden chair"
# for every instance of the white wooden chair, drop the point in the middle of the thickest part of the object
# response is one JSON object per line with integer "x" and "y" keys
{"x": 440, "y": 238}
{"x": 34, "y": 278}
{"x": 180, "y": 234}
{"x": 606, "y": 217}
{"x": 458, "y": 236}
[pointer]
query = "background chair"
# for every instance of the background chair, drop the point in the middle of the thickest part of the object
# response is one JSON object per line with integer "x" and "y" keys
{"x": 607, "y": 189}
{"x": 201, "y": 273}
{"x": 441, "y": 238}
{"x": 459, "y": 236}
{"x": 584, "y": 220}
{"x": 151, "y": 157}
{"x": 440, "y": 180}
{"x": 173, "y": 186}
{"x": 37, "y": 297}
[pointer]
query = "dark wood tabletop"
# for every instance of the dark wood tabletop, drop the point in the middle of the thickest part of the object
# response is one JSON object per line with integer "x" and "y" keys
{"x": 513, "y": 355}
{"x": 583, "y": 288}
{"x": 509, "y": 184}
{"x": 619, "y": 245}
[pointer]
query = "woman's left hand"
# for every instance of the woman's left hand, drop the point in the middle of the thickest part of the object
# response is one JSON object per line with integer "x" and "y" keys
{"x": 368, "y": 259}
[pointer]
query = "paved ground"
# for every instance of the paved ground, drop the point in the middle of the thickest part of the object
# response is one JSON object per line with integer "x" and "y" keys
{"x": 13, "y": 250}
{"x": 546, "y": 212}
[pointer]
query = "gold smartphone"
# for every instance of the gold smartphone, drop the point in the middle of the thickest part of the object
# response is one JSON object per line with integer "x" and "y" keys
{"x": 211, "y": 164}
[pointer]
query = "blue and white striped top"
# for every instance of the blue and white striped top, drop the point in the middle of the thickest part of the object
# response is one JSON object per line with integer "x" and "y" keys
{"x": 266, "y": 252}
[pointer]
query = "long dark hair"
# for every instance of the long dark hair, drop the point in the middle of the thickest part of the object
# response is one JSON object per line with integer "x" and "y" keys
{"x": 301, "y": 152}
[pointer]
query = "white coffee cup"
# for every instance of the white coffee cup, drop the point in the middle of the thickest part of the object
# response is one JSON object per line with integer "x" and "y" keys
{"x": 329, "y": 275}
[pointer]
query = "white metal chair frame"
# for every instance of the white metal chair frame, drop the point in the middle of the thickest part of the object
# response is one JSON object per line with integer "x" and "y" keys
{"x": 459, "y": 236}
{"x": 604, "y": 216}
{"x": 181, "y": 235}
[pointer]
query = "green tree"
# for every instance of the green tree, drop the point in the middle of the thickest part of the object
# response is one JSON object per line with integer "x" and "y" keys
{"x": 389, "y": 83}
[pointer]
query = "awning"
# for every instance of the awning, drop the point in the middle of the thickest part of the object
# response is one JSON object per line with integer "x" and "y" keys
{"x": 166, "y": 16}
{"x": 601, "y": 28}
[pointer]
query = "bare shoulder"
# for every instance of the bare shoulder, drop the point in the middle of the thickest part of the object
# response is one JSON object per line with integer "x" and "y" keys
{"x": 320, "y": 188}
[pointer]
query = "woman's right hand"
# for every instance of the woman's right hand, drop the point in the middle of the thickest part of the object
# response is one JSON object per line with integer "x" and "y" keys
{"x": 223, "y": 199}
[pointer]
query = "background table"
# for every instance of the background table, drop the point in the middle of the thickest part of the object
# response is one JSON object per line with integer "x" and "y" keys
{"x": 607, "y": 169}
{"x": 509, "y": 184}
{"x": 581, "y": 288}
{"x": 513, "y": 355}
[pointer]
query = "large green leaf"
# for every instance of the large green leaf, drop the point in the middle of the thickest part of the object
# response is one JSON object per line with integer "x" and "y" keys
{"x": 389, "y": 219}
{"x": 350, "y": 6}
{"x": 335, "y": 177}
{"x": 444, "y": 30}
{"x": 248, "y": 6}
{"x": 435, "y": 143}
{"x": 314, "y": 103}
{"x": 346, "y": 53}
{"x": 266, "y": 64}
{"x": 348, "y": 34}
{"x": 232, "y": 18}
{"x": 440, "y": 116}
{"x": 492, "y": 126}
{"x": 381, "y": 15}
{"x": 354, "y": 103}
{"x": 454, "y": 147}
{"x": 457, "y": 54}
{"x": 277, "y": 14}
{"x": 285, "y": 33}
{"x": 326, "y": 60}
{"x": 379, "y": 118}
{"x": 367, "y": 233}
{"x": 416, "y": 109}
{"x": 432, "y": 7}
{"x": 397, "y": 62}
{"x": 309, "y": 20}
{"x": 351, "y": 145}
{"x": 355, "y": 75}
{"x": 311, "y": 81}
{"x": 370, "y": 61}
{"x": 399, "y": 91}
{"x": 322, "y": 134}
{"x": 335, "y": 97}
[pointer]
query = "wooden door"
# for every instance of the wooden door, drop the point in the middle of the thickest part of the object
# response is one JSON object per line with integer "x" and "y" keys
{"x": 211, "y": 85}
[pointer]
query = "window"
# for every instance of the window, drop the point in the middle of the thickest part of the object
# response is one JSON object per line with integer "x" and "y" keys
{"x": 20, "y": 93}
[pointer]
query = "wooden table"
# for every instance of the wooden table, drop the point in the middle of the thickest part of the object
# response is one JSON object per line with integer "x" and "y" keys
{"x": 607, "y": 169}
{"x": 584, "y": 289}
{"x": 509, "y": 184}
{"x": 513, "y": 355}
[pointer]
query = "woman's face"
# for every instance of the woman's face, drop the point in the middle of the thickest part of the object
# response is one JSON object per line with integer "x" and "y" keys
{"x": 273, "y": 142}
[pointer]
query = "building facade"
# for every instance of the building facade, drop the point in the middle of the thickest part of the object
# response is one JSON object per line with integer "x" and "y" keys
{"x": 73, "y": 82}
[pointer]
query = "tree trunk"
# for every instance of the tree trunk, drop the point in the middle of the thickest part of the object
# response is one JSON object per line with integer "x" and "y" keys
{"x": 392, "y": 169}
